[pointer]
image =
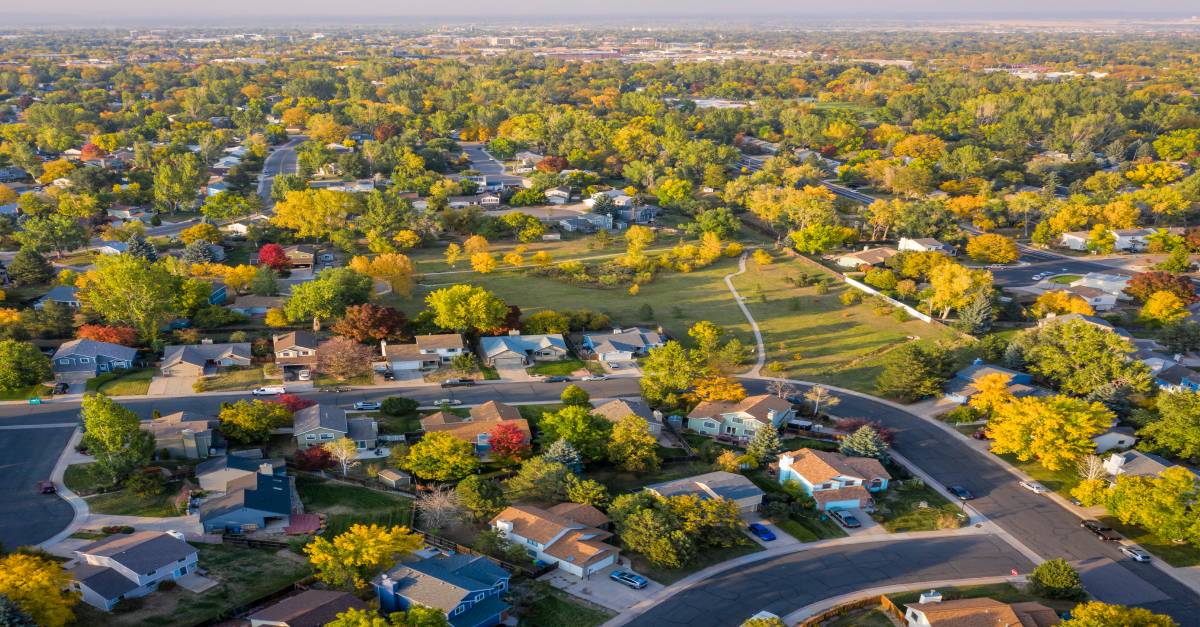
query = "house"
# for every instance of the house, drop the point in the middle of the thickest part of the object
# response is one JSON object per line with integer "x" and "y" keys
{"x": 714, "y": 485}
{"x": 738, "y": 421}
{"x": 1099, "y": 323}
{"x": 11, "y": 209}
{"x": 980, "y": 612}
{"x": 623, "y": 344}
{"x": 205, "y": 358}
{"x": 489, "y": 200}
{"x": 111, "y": 248}
{"x": 229, "y": 473}
{"x": 10, "y": 174}
{"x": 866, "y": 257}
{"x": 1112, "y": 283}
{"x": 586, "y": 223}
{"x": 394, "y": 479}
{"x": 637, "y": 214}
{"x": 311, "y": 608}
{"x": 478, "y": 425}
{"x": 255, "y": 305}
{"x": 835, "y": 481}
{"x": 318, "y": 424}
{"x": 1099, "y": 299}
{"x": 616, "y": 409}
{"x": 242, "y": 227}
{"x": 582, "y": 513}
{"x": 129, "y": 566}
{"x": 62, "y": 294}
{"x": 427, "y": 352}
{"x": 1116, "y": 437}
{"x": 1130, "y": 239}
{"x": 924, "y": 245}
{"x": 128, "y": 214}
{"x": 295, "y": 352}
{"x": 469, "y": 590}
{"x": 364, "y": 432}
{"x": 87, "y": 358}
{"x": 251, "y": 508}
{"x": 1075, "y": 240}
{"x": 619, "y": 198}
{"x": 301, "y": 255}
{"x": 1136, "y": 464}
{"x": 516, "y": 351}
{"x": 183, "y": 434}
{"x": 558, "y": 195}
{"x": 1177, "y": 378}
{"x": 961, "y": 388}
{"x": 571, "y": 545}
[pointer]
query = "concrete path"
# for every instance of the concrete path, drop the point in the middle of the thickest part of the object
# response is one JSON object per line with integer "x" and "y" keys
{"x": 69, "y": 456}
{"x": 759, "y": 347}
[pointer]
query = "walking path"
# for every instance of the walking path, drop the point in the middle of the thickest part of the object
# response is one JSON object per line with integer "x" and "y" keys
{"x": 809, "y": 611}
{"x": 760, "y": 348}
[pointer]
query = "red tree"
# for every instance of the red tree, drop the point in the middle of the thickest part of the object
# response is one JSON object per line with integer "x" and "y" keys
{"x": 272, "y": 255}
{"x": 90, "y": 151}
{"x": 291, "y": 402}
{"x": 315, "y": 458}
{"x": 554, "y": 165}
{"x": 125, "y": 336}
{"x": 1143, "y": 285}
{"x": 385, "y": 131}
{"x": 508, "y": 440}
{"x": 370, "y": 323}
{"x": 850, "y": 425}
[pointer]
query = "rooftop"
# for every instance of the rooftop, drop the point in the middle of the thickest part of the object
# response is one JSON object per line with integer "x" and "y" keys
{"x": 141, "y": 552}
{"x": 717, "y": 484}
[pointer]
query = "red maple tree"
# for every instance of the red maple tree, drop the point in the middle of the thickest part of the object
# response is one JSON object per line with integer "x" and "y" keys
{"x": 315, "y": 458}
{"x": 291, "y": 402}
{"x": 125, "y": 336}
{"x": 508, "y": 440}
{"x": 272, "y": 255}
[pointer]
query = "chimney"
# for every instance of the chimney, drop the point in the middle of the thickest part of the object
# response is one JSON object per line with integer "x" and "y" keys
{"x": 266, "y": 468}
{"x": 514, "y": 331}
{"x": 933, "y": 596}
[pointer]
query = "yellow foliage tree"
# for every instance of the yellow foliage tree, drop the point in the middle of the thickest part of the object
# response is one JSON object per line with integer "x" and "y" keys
{"x": 275, "y": 318}
{"x": 200, "y": 232}
{"x": 541, "y": 259}
{"x": 353, "y": 557}
{"x": 406, "y": 239}
{"x": 1060, "y": 302}
{"x": 993, "y": 248}
{"x": 454, "y": 252}
{"x": 763, "y": 258}
{"x": 1162, "y": 307}
{"x": 238, "y": 278}
{"x": 483, "y": 262}
{"x": 9, "y": 316}
{"x": 514, "y": 259}
{"x": 991, "y": 392}
{"x": 395, "y": 269}
{"x": 954, "y": 286}
{"x": 637, "y": 238}
{"x": 476, "y": 244}
{"x": 1056, "y": 431}
{"x": 718, "y": 389}
{"x": 39, "y": 587}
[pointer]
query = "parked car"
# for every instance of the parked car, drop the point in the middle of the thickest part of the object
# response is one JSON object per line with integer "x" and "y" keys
{"x": 635, "y": 581}
{"x": 59, "y": 388}
{"x": 595, "y": 377}
{"x": 449, "y": 401}
{"x": 556, "y": 379}
{"x": 847, "y": 519}
{"x": 304, "y": 375}
{"x": 962, "y": 493}
{"x": 980, "y": 435}
{"x": 367, "y": 405}
{"x": 761, "y": 532}
{"x": 389, "y": 376}
{"x": 1100, "y": 530}
{"x": 46, "y": 487}
{"x": 1136, "y": 554}
{"x": 326, "y": 257}
{"x": 453, "y": 383}
{"x": 1034, "y": 487}
{"x": 269, "y": 390}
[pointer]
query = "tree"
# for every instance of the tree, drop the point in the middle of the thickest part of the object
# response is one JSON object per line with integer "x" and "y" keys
{"x": 508, "y": 441}
{"x": 251, "y": 421}
{"x": 1097, "y": 614}
{"x": 29, "y": 267}
{"x": 227, "y": 206}
{"x": 667, "y": 370}
{"x": 993, "y": 248}
{"x": 476, "y": 244}
{"x": 137, "y": 246}
{"x": 1177, "y": 428}
{"x": 454, "y": 252}
{"x": 354, "y": 557}
{"x": 392, "y": 268}
{"x": 562, "y": 452}
{"x": 577, "y": 425}
{"x": 133, "y": 291}
{"x": 864, "y": 442}
{"x": 198, "y": 252}
{"x": 1055, "y": 579}
{"x": 113, "y": 436}
{"x": 21, "y": 365}
{"x": 1162, "y": 308}
{"x": 1060, "y": 302}
{"x": 369, "y": 323}
{"x": 1079, "y": 357}
{"x": 545, "y": 321}
{"x": 1145, "y": 284}
{"x": 481, "y": 496}
{"x": 39, "y": 587}
{"x": 13, "y": 616}
{"x": 953, "y": 286}
{"x": 465, "y": 307}
{"x": 763, "y": 444}
{"x": 991, "y": 392}
{"x": 440, "y": 507}
{"x": 1164, "y": 505}
{"x": 327, "y": 296}
{"x": 632, "y": 447}
{"x": 440, "y": 456}
{"x": 315, "y": 212}
{"x": 586, "y": 491}
{"x": 239, "y": 278}
{"x": 177, "y": 179}
{"x": 1101, "y": 240}
{"x": 817, "y": 239}
{"x": 55, "y": 232}
{"x": 343, "y": 358}
{"x": 539, "y": 479}
{"x": 1178, "y": 262}
{"x": 575, "y": 395}
{"x": 314, "y": 458}
{"x": 1056, "y": 431}
{"x": 914, "y": 371}
{"x": 202, "y": 232}
{"x": 342, "y": 451}
{"x": 637, "y": 238}
{"x": 819, "y": 395}
{"x": 274, "y": 257}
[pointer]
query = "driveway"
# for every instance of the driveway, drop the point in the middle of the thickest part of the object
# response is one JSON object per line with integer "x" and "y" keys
{"x": 171, "y": 386}
{"x": 782, "y": 538}
{"x": 518, "y": 373}
{"x": 601, "y": 590}
{"x": 869, "y": 526}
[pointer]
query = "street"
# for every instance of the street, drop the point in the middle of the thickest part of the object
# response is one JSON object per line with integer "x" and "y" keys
{"x": 1023, "y": 275}
{"x": 281, "y": 161}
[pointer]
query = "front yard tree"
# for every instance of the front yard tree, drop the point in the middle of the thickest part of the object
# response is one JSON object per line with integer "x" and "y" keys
{"x": 22, "y": 365}
{"x": 1097, "y": 614}
{"x": 575, "y": 395}
{"x": 132, "y": 290}
{"x": 39, "y": 587}
{"x": 1144, "y": 284}
{"x": 578, "y": 425}
{"x": 370, "y": 323}
{"x": 416, "y": 616}
{"x": 327, "y": 296}
{"x": 632, "y": 447}
{"x": 666, "y": 371}
{"x": 539, "y": 479}
{"x": 953, "y": 286}
{"x": 251, "y": 421}
{"x": 1165, "y": 505}
{"x": 1162, "y": 308}
{"x": 176, "y": 180}
{"x": 481, "y": 496}
{"x": 562, "y": 452}
{"x": 351, "y": 559}
{"x": 315, "y": 213}
{"x": 53, "y": 232}
{"x": 508, "y": 441}
{"x": 1080, "y": 358}
{"x": 991, "y": 392}
{"x": 342, "y": 358}
{"x": 343, "y": 452}
{"x": 465, "y": 307}
{"x": 915, "y": 371}
{"x": 29, "y": 267}
{"x": 763, "y": 444}
{"x": 113, "y": 436}
{"x": 1055, "y": 579}
{"x": 718, "y": 389}
{"x": 1059, "y": 302}
{"x": 993, "y": 248}
{"x": 1177, "y": 428}
{"x": 441, "y": 457}
{"x": 274, "y": 257}
{"x": 1055, "y": 431}
{"x": 820, "y": 395}
{"x": 864, "y": 442}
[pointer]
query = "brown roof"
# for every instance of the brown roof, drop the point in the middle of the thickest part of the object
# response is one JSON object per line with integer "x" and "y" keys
{"x": 254, "y": 300}
{"x": 615, "y": 410}
{"x": 172, "y": 424}
{"x": 854, "y": 492}
{"x": 300, "y": 250}
{"x": 469, "y": 428}
{"x": 872, "y": 256}
{"x": 495, "y": 411}
{"x": 441, "y": 419}
{"x": 400, "y": 352}
{"x": 441, "y": 340}
{"x": 755, "y": 406}
{"x": 985, "y": 612}
{"x": 581, "y": 513}
{"x": 303, "y": 339}
{"x": 820, "y": 466}
{"x": 578, "y": 544}
{"x": 580, "y": 548}
{"x": 311, "y": 608}
{"x": 534, "y": 523}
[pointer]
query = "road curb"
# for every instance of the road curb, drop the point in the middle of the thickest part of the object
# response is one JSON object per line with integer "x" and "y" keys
{"x": 811, "y": 610}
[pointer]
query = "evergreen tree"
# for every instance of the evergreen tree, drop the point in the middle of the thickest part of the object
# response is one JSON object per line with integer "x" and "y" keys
{"x": 915, "y": 371}
{"x": 1114, "y": 395}
{"x": 764, "y": 444}
{"x": 865, "y": 442}
{"x": 976, "y": 317}
{"x": 562, "y": 452}
{"x": 137, "y": 246}
{"x": 29, "y": 267}
{"x": 197, "y": 252}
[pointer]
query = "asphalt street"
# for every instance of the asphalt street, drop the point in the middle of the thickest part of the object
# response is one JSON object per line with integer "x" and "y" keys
{"x": 486, "y": 165}
{"x": 281, "y": 161}
{"x": 1023, "y": 275}
{"x": 29, "y": 454}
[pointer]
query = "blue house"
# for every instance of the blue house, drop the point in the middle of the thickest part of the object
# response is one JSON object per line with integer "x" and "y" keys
{"x": 835, "y": 481}
{"x": 961, "y": 388}
{"x": 249, "y": 509}
{"x": 467, "y": 588}
{"x": 1178, "y": 378}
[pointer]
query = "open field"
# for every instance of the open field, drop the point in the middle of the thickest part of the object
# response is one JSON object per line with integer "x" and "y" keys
{"x": 559, "y": 609}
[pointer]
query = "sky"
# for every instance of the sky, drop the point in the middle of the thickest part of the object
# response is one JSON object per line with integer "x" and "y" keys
{"x": 364, "y": 11}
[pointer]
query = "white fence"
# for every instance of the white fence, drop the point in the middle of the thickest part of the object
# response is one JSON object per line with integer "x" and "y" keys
{"x": 870, "y": 290}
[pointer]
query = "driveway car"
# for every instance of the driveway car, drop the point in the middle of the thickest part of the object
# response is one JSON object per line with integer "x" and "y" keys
{"x": 595, "y": 377}
{"x": 269, "y": 390}
{"x": 46, "y": 487}
{"x": 1034, "y": 487}
{"x": 367, "y": 405}
{"x": 846, "y": 519}
{"x": 454, "y": 383}
{"x": 449, "y": 401}
{"x": 761, "y": 532}
{"x": 389, "y": 376}
{"x": 1102, "y": 531}
{"x": 1136, "y": 554}
{"x": 635, "y": 581}
{"x": 962, "y": 493}
{"x": 59, "y": 388}
{"x": 556, "y": 379}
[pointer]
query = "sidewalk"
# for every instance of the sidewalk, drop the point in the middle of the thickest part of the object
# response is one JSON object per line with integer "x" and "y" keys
{"x": 68, "y": 456}
{"x": 832, "y": 602}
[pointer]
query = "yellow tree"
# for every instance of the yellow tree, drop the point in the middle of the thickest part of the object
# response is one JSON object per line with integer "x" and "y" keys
{"x": 718, "y": 389}
{"x": 314, "y": 212}
{"x": 993, "y": 248}
{"x": 953, "y": 286}
{"x": 200, "y": 232}
{"x": 1056, "y": 431}
{"x": 541, "y": 259}
{"x": 1097, "y": 614}
{"x": 1060, "y": 302}
{"x": 238, "y": 278}
{"x": 454, "y": 252}
{"x": 483, "y": 262}
{"x": 38, "y": 587}
{"x": 406, "y": 239}
{"x": 476, "y": 244}
{"x": 53, "y": 170}
{"x": 355, "y": 556}
{"x": 991, "y": 392}
{"x": 710, "y": 247}
{"x": 637, "y": 238}
{"x": 1162, "y": 307}
{"x": 394, "y": 269}
{"x": 762, "y": 257}
{"x": 344, "y": 452}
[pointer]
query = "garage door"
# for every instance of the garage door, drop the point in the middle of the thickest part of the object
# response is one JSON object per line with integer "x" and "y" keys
{"x": 508, "y": 362}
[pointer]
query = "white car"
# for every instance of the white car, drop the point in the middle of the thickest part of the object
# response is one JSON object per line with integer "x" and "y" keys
{"x": 1136, "y": 554}
{"x": 1034, "y": 487}
{"x": 449, "y": 401}
{"x": 595, "y": 377}
{"x": 269, "y": 390}
{"x": 367, "y": 405}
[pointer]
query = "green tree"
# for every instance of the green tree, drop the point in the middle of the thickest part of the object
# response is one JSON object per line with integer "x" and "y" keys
{"x": 1055, "y": 579}
{"x": 251, "y": 421}
{"x": 1177, "y": 428}
{"x": 864, "y": 442}
{"x": 12, "y": 616}
{"x": 176, "y": 180}
{"x": 763, "y": 444}
{"x": 632, "y": 447}
{"x": 483, "y": 497}
{"x": 53, "y": 232}
{"x": 327, "y": 296}
{"x": 440, "y": 456}
{"x": 29, "y": 267}
{"x": 125, "y": 289}
{"x": 816, "y": 239}
{"x": 667, "y": 370}
{"x": 22, "y": 365}
{"x": 113, "y": 436}
{"x": 465, "y": 307}
{"x": 575, "y": 395}
{"x": 577, "y": 425}
{"x": 587, "y": 491}
{"x": 914, "y": 371}
{"x": 562, "y": 452}
{"x": 539, "y": 479}
{"x": 1079, "y": 358}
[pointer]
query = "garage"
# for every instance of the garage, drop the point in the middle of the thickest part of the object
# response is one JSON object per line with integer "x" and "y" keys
{"x": 508, "y": 362}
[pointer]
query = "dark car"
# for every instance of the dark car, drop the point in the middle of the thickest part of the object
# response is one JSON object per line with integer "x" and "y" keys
{"x": 59, "y": 388}
{"x": 454, "y": 383}
{"x": 637, "y": 582}
{"x": 389, "y": 376}
{"x": 46, "y": 487}
{"x": 962, "y": 493}
{"x": 980, "y": 435}
{"x": 557, "y": 379}
{"x": 846, "y": 519}
{"x": 1100, "y": 530}
{"x": 761, "y": 532}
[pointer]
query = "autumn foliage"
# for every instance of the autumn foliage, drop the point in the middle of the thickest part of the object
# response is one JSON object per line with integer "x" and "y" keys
{"x": 125, "y": 336}
{"x": 508, "y": 440}
{"x": 272, "y": 255}
{"x": 291, "y": 402}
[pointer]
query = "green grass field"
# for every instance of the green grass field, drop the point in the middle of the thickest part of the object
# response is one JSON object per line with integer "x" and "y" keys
{"x": 124, "y": 383}
{"x": 346, "y": 505}
{"x": 898, "y": 510}
{"x": 239, "y": 379}
{"x": 126, "y": 503}
{"x": 20, "y": 394}
{"x": 559, "y": 609}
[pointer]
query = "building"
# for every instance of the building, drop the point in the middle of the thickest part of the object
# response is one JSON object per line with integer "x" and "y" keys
{"x": 1112, "y": 283}
{"x": 395, "y": 479}
{"x": 637, "y": 214}
{"x": 574, "y": 547}
{"x": 229, "y": 473}
{"x": 1136, "y": 464}
{"x": 616, "y": 409}
{"x": 866, "y": 257}
{"x": 295, "y": 352}
{"x": 516, "y": 351}
{"x": 318, "y": 424}
{"x": 619, "y": 198}
{"x": 123, "y": 567}
{"x": 623, "y": 344}
{"x": 835, "y": 481}
{"x": 427, "y": 352}
{"x": 586, "y": 223}
{"x": 62, "y": 294}
{"x": 1178, "y": 378}
{"x": 981, "y": 612}
{"x": 1099, "y": 299}
{"x": 184, "y": 434}
{"x": 302, "y": 256}
{"x": 469, "y": 590}
{"x": 364, "y": 432}
{"x": 311, "y": 608}
{"x": 961, "y": 388}
{"x": 111, "y": 248}
{"x": 1130, "y": 239}
{"x": 205, "y": 358}
{"x": 714, "y": 485}
{"x": 924, "y": 245}
{"x": 738, "y": 421}
{"x": 247, "y": 509}
{"x": 242, "y": 227}
{"x": 1115, "y": 438}
{"x": 1075, "y": 240}
{"x": 84, "y": 359}
{"x": 255, "y": 305}
{"x": 478, "y": 425}
{"x": 558, "y": 195}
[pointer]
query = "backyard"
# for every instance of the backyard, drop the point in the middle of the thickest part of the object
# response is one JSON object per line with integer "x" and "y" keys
{"x": 554, "y": 608}
{"x": 346, "y": 504}
{"x": 80, "y": 480}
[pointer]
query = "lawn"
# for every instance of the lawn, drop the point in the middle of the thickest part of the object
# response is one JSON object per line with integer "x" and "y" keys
{"x": 899, "y": 509}
{"x": 1065, "y": 279}
{"x": 1178, "y": 555}
{"x": 705, "y": 557}
{"x": 1060, "y": 481}
{"x": 362, "y": 379}
{"x": 559, "y": 609}
{"x": 872, "y": 617}
{"x": 126, "y": 503}
{"x": 237, "y": 379}
{"x": 78, "y": 479}
{"x": 348, "y": 504}
{"x": 123, "y": 383}
{"x": 814, "y": 336}
{"x": 244, "y": 575}
{"x": 533, "y": 414}
{"x": 19, "y": 394}
{"x": 558, "y": 368}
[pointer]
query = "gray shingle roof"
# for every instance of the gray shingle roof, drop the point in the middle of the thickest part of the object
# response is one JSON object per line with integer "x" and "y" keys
{"x": 633, "y": 340}
{"x": 521, "y": 344}
{"x": 272, "y": 494}
{"x": 320, "y": 416}
{"x": 92, "y": 348}
{"x": 362, "y": 429}
{"x": 720, "y": 483}
{"x": 249, "y": 464}
{"x": 141, "y": 552}
{"x": 311, "y": 608}
{"x": 103, "y": 580}
{"x": 444, "y": 581}
{"x": 200, "y": 354}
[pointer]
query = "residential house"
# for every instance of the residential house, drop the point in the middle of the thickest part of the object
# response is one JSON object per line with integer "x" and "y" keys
{"x": 478, "y": 425}
{"x": 301, "y": 256}
{"x": 63, "y": 294}
{"x": 623, "y": 344}
{"x": 295, "y": 352}
{"x": 516, "y": 351}
{"x": 205, "y": 358}
{"x": 1115, "y": 438}
{"x": 924, "y": 245}
{"x": 586, "y": 223}
{"x": 229, "y": 473}
{"x": 1130, "y": 239}
{"x": 130, "y": 566}
{"x": 111, "y": 248}
{"x": 126, "y": 213}
{"x": 835, "y": 481}
{"x": 84, "y": 359}
{"x": 468, "y": 589}
{"x": 318, "y": 424}
{"x": 619, "y": 198}
{"x": 558, "y": 195}
{"x": 866, "y": 257}
{"x": 582, "y": 513}
{"x": 1075, "y": 240}
{"x": 1136, "y": 464}
{"x": 427, "y": 352}
{"x": 980, "y": 612}
{"x": 739, "y": 420}
{"x": 11, "y": 174}
{"x": 242, "y": 510}
{"x": 1099, "y": 299}
{"x": 1112, "y": 283}
{"x": 255, "y": 305}
{"x": 183, "y": 434}
{"x": 714, "y": 485}
{"x": 311, "y": 608}
{"x": 617, "y": 409}
{"x": 1177, "y": 378}
{"x": 364, "y": 432}
{"x": 574, "y": 547}
{"x": 394, "y": 479}
{"x": 961, "y": 388}
{"x": 242, "y": 227}
{"x": 637, "y": 214}
{"x": 489, "y": 200}
{"x": 1099, "y": 323}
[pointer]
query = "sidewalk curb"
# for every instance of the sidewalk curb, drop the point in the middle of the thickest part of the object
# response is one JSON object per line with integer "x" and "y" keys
{"x": 77, "y": 503}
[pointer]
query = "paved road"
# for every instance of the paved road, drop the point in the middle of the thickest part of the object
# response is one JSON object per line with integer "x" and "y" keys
{"x": 29, "y": 454}
{"x": 1012, "y": 277}
{"x": 487, "y": 165}
{"x": 281, "y": 161}
{"x": 784, "y": 584}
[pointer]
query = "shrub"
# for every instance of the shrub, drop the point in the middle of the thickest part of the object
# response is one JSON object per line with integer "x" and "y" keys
{"x": 850, "y": 297}
{"x": 398, "y": 406}
{"x": 1056, "y": 579}
{"x": 146, "y": 484}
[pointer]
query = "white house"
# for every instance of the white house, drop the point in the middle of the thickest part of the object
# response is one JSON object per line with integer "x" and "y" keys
{"x": 1116, "y": 437}
{"x": 1075, "y": 240}
{"x": 1099, "y": 299}
{"x": 623, "y": 344}
{"x": 242, "y": 227}
{"x": 111, "y": 248}
{"x": 739, "y": 421}
{"x": 1130, "y": 239}
{"x": 426, "y": 353}
{"x": 1112, "y": 283}
{"x": 565, "y": 539}
{"x": 619, "y": 198}
{"x": 924, "y": 245}
{"x": 835, "y": 481}
{"x": 558, "y": 195}
{"x": 130, "y": 566}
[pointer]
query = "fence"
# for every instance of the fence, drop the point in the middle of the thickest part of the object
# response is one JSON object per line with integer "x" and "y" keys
{"x": 882, "y": 601}
{"x": 253, "y": 543}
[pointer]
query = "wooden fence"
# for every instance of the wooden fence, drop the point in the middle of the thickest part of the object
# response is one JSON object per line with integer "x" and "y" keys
{"x": 881, "y": 601}
{"x": 253, "y": 543}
